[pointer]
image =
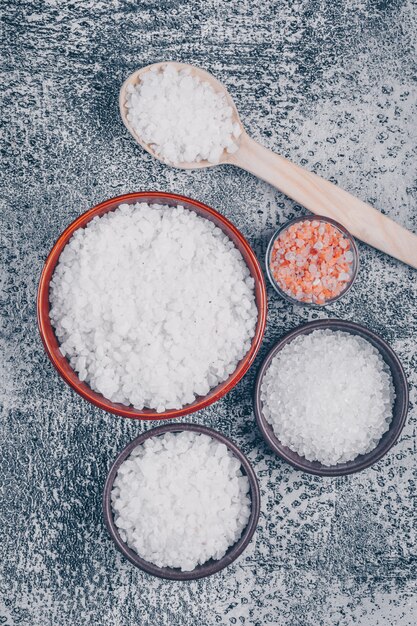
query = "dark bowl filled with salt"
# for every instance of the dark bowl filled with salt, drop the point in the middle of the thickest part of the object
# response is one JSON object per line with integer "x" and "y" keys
{"x": 210, "y": 566}
{"x": 399, "y": 402}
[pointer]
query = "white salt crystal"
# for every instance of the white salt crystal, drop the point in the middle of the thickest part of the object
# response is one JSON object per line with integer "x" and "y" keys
{"x": 152, "y": 305}
{"x": 328, "y": 396}
{"x": 181, "y": 500}
{"x": 182, "y": 118}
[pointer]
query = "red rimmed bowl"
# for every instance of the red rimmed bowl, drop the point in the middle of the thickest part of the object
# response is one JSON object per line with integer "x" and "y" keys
{"x": 50, "y": 341}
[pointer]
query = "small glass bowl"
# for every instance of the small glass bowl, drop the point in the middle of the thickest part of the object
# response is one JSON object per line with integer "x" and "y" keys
{"x": 313, "y": 218}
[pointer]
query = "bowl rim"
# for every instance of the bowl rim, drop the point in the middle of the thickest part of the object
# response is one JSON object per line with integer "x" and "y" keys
{"x": 365, "y": 460}
{"x": 50, "y": 342}
{"x": 211, "y": 567}
{"x": 312, "y": 218}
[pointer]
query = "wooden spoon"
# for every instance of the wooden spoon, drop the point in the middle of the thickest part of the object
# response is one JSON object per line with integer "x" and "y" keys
{"x": 316, "y": 194}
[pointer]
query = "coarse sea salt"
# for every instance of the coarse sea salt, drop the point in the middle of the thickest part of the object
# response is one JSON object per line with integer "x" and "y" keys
{"x": 181, "y": 117}
{"x": 180, "y": 500}
{"x": 329, "y": 396}
{"x": 152, "y": 305}
{"x": 312, "y": 261}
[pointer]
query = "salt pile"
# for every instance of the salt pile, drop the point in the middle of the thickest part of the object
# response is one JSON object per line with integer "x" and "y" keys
{"x": 312, "y": 261}
{"x": 152, "y": 305}
{"x": 180, "y": 500}
{"x": 182, "y": 118}
{"x": 329, "y": 396}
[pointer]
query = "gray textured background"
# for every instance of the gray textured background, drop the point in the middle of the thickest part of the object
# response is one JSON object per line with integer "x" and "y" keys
{"x": 330, "y": 84}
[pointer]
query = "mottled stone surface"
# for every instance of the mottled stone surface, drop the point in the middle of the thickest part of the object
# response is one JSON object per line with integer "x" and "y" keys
{"x": 330, "y": 84}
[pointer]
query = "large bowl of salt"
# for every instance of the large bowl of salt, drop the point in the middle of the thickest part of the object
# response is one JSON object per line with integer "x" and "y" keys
{"x": 151, "y": 305}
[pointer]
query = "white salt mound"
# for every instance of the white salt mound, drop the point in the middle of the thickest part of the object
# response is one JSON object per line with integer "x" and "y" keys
{"x": 181, "y": 117}
{"x": 152, "y": 305}
{"x": 180, "y": 500}
{"x": 329, "y": 396}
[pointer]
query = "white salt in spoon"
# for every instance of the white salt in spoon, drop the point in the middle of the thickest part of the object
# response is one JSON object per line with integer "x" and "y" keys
{"x": 316, "y": 194}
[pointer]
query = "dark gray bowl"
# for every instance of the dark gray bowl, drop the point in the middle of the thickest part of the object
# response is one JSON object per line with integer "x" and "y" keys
{"x": 210, "y": 567}
{"x": 399, "y": 411}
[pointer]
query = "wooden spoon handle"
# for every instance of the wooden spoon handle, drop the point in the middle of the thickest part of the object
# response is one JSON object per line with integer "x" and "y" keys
{"x": 322, "y": 197}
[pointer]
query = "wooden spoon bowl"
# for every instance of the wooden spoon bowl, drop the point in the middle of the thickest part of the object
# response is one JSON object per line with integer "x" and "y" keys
{"x": 135, "y": 78}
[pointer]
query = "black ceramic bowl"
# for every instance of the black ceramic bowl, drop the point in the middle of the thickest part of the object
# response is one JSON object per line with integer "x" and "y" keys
{"x": 210, "y": 567}
{"x": 399, "y": 411}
